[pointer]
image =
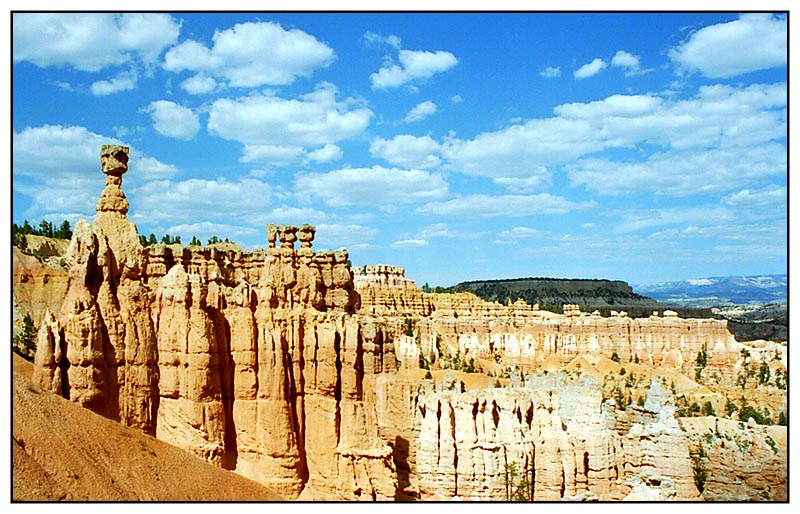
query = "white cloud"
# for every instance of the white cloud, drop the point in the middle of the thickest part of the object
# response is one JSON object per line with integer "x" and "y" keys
{"x": 681, "y": 173}
{"x": 199, "y": 84}
{"x": 124, "y": 81}
{"x": 286, "y": 155}
{"x": 538, "y": 180}
{"x": 456, "y": 99}
{"x": 222, "y": 200}
{"x": 253, "y": 54}
{"x": 407, "y": 150}
{"x": 173, "y": 120}
{"x": 551, "y": 72}
{"x": 629, "y": 62}
{"x": 482, "y": 206}
{"x": 336, "y": 235}
{"x": 312, "y": 120}
{"x": 729, "y": 122}
{"x": 91, "y": 41}
{"x": 414, "y": 65}
{"x": 753, "y": 42}
{"x": 327, "y": 153}
{"x": 149, "y": 168}
{"x": 770, "y": 198}
{"x": 443, "y": 230}
{"x": 410, "y": 243}
{"x": 371, "y": 186}
{"x": 626, "y": 106}
{"x": 273, "y": 154}
{"x": 523, "y": 151}
{"x": 524, "y": 233}
{"x": 640, "y": 219}
{"x": 373, "y": 38}
{"x": 591, "y": 69}
{"x": 420, "y": 111}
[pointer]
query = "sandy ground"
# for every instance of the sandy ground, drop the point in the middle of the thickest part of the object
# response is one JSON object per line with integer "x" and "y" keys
{"x": 61, "y": 451}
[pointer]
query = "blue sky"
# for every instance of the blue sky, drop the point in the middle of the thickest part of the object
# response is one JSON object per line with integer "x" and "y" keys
{"x": 640, "y": 147}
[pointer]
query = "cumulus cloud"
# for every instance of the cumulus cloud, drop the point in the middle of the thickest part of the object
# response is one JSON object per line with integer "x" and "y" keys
{"x": 456, "y": 99}
{"x": 407, "y": 150}
{"x": 484, "y": 206}
{"x": 173, "y": 120}
{"x": 589, "y": 70}
{"x": 286, "y": 155}
{"x": 175, "y": 202}
{"x": 628, "y": 62}
{"x": 91, "y": 41}
{"x": 415, "y": 65}
{"x": 753, "y": 42}
{"x": 719, "y": 122}
{"x": 420, "y": 111}
{"x": 551, "y": 72}
{"x": 372, "y": 186}
{"x": 312, "y": 120}
{"x": 253, "y": 54}
{"x": 199, "y": 84}
{"x": 124, "y": 81}
{"x": 327, "y": 153}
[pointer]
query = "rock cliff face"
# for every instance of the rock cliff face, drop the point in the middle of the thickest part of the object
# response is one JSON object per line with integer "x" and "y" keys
{"x": 554, "y": 439}
{"x": 230, "y": 355}
{"x": 37, "y": 287}
{"x": 271, "y": 363}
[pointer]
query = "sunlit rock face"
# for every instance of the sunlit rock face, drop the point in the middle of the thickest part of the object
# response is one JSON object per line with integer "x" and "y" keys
{"x": 229, "y": 354}
{"x": 289, "y": 367}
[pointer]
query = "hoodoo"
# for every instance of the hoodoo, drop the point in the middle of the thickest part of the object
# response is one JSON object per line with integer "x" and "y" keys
{"x": 289, "y": 367}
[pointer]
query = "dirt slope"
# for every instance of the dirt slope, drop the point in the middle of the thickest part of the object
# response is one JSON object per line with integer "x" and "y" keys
{"x": 61, "y": 451}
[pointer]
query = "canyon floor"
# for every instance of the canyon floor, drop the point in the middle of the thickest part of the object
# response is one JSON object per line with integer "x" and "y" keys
{"x": 61, "y": 451}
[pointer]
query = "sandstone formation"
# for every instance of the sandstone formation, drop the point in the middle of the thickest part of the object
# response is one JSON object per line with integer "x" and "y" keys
{"x": 739, "y": 461}
{"x": 37, "y": 286}
{"x": 289, "y": 368}
{"x": 230, "y": 355}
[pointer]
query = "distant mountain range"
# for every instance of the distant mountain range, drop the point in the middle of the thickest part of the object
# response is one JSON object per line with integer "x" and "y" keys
{"x": 718, "y": 291}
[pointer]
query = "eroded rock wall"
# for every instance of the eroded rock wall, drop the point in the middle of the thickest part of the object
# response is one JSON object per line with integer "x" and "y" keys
{"x": 253, "y": 360}
{"x": 554, "y": 439}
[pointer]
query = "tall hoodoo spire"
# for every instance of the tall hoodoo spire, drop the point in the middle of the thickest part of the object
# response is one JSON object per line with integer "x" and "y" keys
{"x": 114, "y": 162}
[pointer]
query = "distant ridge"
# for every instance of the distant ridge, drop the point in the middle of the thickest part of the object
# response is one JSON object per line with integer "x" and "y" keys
{"x": 552, "y": 293}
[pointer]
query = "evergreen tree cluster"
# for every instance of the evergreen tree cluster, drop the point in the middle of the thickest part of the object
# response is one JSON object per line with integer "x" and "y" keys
{"x": 45, "y": 228}
{"x": 170, "y": 240}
